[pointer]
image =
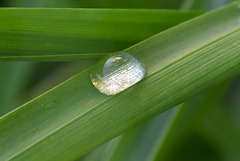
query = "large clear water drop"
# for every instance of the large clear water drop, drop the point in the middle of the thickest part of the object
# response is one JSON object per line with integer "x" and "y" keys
{"x": 117, "y": 72}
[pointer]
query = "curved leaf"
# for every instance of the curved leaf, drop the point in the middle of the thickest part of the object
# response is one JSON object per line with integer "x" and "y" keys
{"x": 70, "y": 34}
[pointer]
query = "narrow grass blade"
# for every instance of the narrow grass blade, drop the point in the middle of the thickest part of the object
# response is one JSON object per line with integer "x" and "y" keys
{"x": 151, "y": 4}
{"x": 71, "y": 34}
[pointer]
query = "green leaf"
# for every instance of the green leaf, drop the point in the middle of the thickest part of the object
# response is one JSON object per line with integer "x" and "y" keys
{"x": 95, "y": 3}
{"x": 70, "y": 34}
{"x": 74, "y": 117}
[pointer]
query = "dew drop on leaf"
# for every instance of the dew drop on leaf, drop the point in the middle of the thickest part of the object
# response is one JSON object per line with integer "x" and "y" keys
{"x": 117, "y": 72}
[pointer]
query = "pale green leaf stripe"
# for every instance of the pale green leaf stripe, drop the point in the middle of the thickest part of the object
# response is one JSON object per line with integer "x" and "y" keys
{"x": 74, "y": 117}
{"x": 70, "y": 34}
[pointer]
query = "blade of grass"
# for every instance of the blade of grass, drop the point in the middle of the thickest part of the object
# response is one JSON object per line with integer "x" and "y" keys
{"x": 73, "y": 118}
{"x": 161, "y": 144}
{"x": 94, "y": 3}
{"x": 71, "y": 34}
{"x": 145, "y": 135}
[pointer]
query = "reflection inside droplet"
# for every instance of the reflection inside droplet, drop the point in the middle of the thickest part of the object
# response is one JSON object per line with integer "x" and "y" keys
{"x": 117, "y": 72}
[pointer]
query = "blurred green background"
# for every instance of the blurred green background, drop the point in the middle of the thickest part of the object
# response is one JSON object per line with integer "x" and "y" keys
{"x": 210, "y": 132}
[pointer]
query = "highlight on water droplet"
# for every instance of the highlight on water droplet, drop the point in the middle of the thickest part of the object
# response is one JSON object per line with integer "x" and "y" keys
{"x": 117, "y": 72}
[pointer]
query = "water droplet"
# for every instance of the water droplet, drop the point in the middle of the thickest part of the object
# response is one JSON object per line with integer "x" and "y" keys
{"x": 117, "y": 72}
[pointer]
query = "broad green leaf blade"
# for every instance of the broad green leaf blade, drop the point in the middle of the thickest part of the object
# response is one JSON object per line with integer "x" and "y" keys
{"x": 146, "y": 136}
{"x": 74, "y": 117}
{"x": 70, "y": 34}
